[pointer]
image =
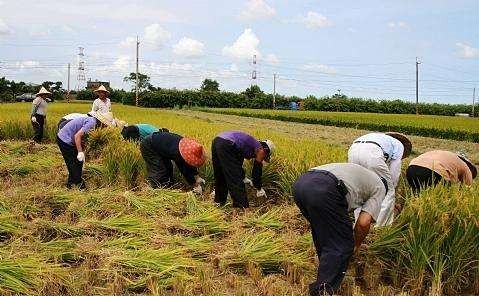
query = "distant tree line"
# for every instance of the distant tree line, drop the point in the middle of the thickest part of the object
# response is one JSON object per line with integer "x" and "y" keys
{"x": 210, "y": 95}
{"x": 9, "y": 89}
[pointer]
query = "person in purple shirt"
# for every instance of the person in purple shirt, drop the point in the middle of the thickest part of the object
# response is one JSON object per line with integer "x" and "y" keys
{"x": 69, "y": 140}
{"x": 229, "y": 150}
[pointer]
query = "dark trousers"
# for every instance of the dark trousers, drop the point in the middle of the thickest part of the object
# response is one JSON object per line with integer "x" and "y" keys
{"x": 73, "y": 165}
{"x": 326, "y": 209}
{"x": 229, "y": 173}
{"x": 420, "y": 177}
{"x": 160, "y": 169}
{"x": 38, "y": 128}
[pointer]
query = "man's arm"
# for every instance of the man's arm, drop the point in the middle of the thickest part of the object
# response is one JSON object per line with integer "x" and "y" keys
{"x": 361, "y": 229}
{"x": 395, "y": 168}
{"x": 94, "y": 107}
{"x": 78, "y": 137}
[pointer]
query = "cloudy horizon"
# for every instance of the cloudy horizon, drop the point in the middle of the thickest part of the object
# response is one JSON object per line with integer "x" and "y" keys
{"x": 315, "y": 47}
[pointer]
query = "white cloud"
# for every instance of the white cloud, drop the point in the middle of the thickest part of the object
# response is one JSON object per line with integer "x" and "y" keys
{"x": 39, "y": 31}
{"x": 123, "y": 63}
{"x": 156, "y": 36}
{"x": 314, "y": 20}
{"x": 189, "y": 48}
{"x": 27, "y": 64}
{"x": 234, "y": 68}
{"x": 320, "y": 68}
{"x": 398, "y": 25}
{"x": 244, "y": 47}
{"x": 129, "y": 42}
{"x": 257, "y": 9}
{"x": 271, "y": 59}
{"x": 466, "y": 51}
{"x": 4, "y": 29}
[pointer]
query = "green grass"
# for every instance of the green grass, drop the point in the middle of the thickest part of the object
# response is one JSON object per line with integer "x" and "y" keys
{"x": 120, "y": 237}
{"x": 456, "y": 128}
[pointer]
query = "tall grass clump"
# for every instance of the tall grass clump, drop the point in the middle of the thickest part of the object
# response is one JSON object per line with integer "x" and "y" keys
{"x": 122, "y": 159}
{"x": 434, "y": 244}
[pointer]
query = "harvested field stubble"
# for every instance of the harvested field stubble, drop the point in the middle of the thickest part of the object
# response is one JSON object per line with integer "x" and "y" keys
{"x": 122, "y": 238}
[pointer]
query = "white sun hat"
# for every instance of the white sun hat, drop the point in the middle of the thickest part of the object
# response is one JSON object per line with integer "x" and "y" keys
{"x": 101, "y": 88}
{"x": 43, "y": 91}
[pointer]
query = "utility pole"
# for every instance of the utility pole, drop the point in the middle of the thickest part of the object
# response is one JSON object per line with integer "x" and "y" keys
{"x": 274, "y": 91}
{"x": 253, "y": 73}
{"x": 136, "y": 83}
{"x": 417, "y": 86}
{"x": 68, "y": 84}
{"x": 473, "y": 100}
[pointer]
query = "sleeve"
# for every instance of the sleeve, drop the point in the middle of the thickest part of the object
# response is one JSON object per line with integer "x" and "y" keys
{"x": 395, "y": 169}
{"x": 94, "y": 107}
{"x": 188, "y": 172}
{"x": 372, "y": 206}
{"x": 35, "y": 105}
{"x": 466, "y": 176}
{"x": 257, "y": 174}
{"x": 88, "y": 125}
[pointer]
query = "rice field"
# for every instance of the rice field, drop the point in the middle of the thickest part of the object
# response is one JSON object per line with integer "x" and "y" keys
{"x": 122, "y": 238}
{"x": 456, "y": 128}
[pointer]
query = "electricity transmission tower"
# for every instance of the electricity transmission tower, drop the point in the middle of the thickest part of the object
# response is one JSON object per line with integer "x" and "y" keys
{"x": 81, "y": 69}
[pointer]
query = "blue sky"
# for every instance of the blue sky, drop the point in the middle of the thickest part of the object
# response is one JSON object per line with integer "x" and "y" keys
{"x": 364, "y": 48}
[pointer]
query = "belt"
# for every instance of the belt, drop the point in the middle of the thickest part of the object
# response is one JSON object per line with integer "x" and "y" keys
{"x": 339, "y": 183}
{"x": 386, "y": 155}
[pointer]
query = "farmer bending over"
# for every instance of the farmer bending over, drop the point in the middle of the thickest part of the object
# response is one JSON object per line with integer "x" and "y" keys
{"x": 229, "y": 150}
{"x": 69, "y": 140}
{"x": 326, "y": 195}
{"x": 430, "y": 168}
{"x": 39, "y": 114}
{"x": 161, "y": 148}
{"x": 382, "y": 153}
{"x": 139, "y": 131}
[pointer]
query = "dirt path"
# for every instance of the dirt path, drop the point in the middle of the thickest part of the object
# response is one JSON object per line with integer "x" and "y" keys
{"x": 330, "y": 134}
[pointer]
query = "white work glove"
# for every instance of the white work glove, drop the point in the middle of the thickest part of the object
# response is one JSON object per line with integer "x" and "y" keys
{"x": 200, "y": 180}
{"x": 248, "y": 181}
{"x": 34, "y": 119}
{"x": 260, "y": 193}
{"x": 81, "y": 156}
{"x": 198, "y": 189}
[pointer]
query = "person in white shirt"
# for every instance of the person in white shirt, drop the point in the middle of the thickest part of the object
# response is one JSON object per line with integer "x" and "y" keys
{"x": 39, "y": 113}
{"x": 102, "y": 103}
{"x": 382, "y": 153}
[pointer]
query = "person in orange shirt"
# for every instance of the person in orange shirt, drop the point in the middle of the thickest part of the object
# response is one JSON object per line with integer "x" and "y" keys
{"x": 430, "y": 168}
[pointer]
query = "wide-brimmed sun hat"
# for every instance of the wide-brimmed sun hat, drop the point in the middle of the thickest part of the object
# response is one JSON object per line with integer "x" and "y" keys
{"x": 120, "y": 123}
{"x": 192, "y": 152}
{"x": 105, "y": 118}
{"x": 43, "y": 91}
{"x": 270, "y": 147}
{"x": 469, "y": 163}
{"x": 405, "y": 142}
{"x": 101, "y": 88}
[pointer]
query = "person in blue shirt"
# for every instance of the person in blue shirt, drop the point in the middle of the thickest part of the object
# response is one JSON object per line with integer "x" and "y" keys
{"x": 139, "y": 131}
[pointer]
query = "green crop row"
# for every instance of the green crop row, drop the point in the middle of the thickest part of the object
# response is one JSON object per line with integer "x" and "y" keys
{"x": 454, "y": 128}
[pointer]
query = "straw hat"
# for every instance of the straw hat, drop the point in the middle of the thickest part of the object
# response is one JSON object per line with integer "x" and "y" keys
{"x": 43, "y": 91}
{"x": 105, "y": 118}
{"x": 405, "y": 142}
{"x": 469, "y": 163}
{"x": 101, "y": 88}
{"x": 268, "y": 144}
{"x": 120, "y": 123}
{"x": 192, "y": 152}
